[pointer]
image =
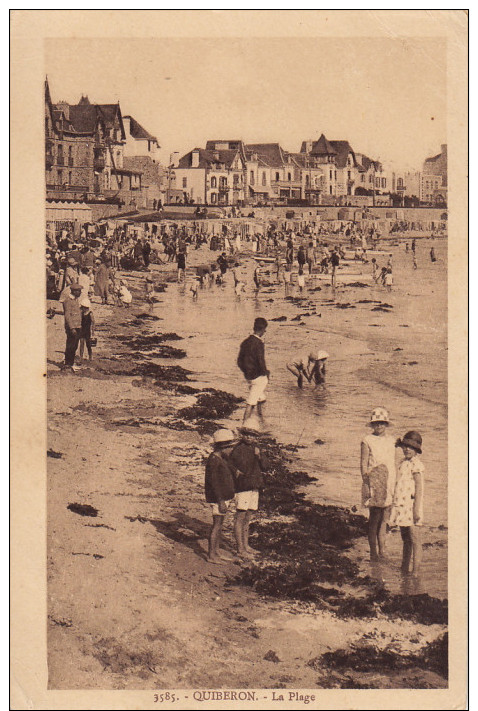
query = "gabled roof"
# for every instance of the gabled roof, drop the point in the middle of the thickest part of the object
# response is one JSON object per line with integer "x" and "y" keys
{"x": 208, "y": 158}
{"x": 433, "y": 158}
{"x": 342, "y": 149}
{"x": 270, "y": 154}
{"x": 83, "y": 117}
{"x": 300, "y": 159}
{"x": 211, "y": 145}
{"x": 364, "y": 162}
{"x": 137, "y": 131}
{"x": 323, "y": 147}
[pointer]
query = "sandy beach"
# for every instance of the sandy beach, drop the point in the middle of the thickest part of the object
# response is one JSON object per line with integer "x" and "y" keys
{"x": 133, "y": 602}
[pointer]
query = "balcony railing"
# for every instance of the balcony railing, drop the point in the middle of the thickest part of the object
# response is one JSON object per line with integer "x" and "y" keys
{"x": 68, "y": 192}
{"x": 68, "y": 188}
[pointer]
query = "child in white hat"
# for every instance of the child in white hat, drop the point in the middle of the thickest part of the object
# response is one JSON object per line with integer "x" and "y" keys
{"x": 378, "y": 468}
{"x": 87, "y": 333}
{"x": 219, "y": 490}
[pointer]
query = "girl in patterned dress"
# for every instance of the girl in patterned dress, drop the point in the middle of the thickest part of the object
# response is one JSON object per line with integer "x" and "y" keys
{"x": 378, "y": 476}
{"x": 407, "y": 511}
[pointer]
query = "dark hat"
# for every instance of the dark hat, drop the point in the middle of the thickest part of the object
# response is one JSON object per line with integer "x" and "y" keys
{"x": 411, "y": 439}
{"x": 76, "y": 286}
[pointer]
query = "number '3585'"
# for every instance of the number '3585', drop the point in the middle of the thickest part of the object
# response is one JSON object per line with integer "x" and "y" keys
{"x": 167, "y": 696}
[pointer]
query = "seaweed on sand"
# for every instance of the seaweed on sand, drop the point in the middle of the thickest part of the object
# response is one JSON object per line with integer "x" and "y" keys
{"x": 309, "y": 550}
{"x": 366, "y": 658}
{"x": 210, "y": 405}
{"x": 147, "y": 342}
{"x": 113, "y": 366}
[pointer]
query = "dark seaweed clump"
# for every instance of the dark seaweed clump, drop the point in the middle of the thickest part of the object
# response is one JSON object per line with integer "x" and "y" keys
{"x": 434, "y": 657}
{"x": 211, "y": 405}
{"x": 83, "y": 509}
{"x": 147, "y": 342}
{"x": 114, "y": 366}
{"x": 307, "y": 554}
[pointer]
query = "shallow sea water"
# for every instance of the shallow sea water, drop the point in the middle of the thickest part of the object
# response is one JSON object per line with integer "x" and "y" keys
{"x": 399, "y": 363}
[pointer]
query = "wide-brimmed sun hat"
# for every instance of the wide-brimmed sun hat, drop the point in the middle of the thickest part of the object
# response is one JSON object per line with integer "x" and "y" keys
{"x": 412, "y": 439}
{"x": 380, "y": 414}
{"x": 322, "y": 355}
{"x": 222, "y": 436}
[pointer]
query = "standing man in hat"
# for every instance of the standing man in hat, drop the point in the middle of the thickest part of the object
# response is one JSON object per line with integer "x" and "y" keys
{"x": 251, "y": 360}
{"x": 71, "y": 298}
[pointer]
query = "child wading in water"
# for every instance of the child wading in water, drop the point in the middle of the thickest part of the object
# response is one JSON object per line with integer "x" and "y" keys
{"x": 407, "y": 511}
{"x": 378, "y": 470}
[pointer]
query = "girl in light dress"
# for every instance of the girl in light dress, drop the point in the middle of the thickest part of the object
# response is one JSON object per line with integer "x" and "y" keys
{"x": 378, "y": 471}
{"x": 407, "y": 510}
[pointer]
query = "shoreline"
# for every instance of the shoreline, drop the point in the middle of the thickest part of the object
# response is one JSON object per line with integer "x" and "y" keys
{"x": 124, "y": 395}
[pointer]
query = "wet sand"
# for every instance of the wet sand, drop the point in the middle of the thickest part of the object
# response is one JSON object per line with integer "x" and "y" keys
{"x": 132, "y": 601}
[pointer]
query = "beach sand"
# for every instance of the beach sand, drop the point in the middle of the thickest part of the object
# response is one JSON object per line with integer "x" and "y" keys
{"x": 133, "y": 602}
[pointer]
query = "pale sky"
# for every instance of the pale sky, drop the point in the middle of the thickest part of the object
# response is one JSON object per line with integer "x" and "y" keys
{"x": 387, "y": 97}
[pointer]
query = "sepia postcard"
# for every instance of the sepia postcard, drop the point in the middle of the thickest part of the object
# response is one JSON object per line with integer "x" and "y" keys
{"x": 239, "y": 359}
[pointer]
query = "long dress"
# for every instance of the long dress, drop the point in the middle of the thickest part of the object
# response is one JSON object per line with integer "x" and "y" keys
{"x": 381, "y": 470}
{"x": 101, "y": 281}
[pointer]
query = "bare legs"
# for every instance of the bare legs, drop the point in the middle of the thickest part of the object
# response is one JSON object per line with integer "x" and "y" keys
{"x": 241, "y": 531}
{"x": 377, "y": 529}
{"x": 296, "y": 373}
{"x": 215, "y": 554}
{"x": 412, "y": 548}
{"x": 249, "y": 410}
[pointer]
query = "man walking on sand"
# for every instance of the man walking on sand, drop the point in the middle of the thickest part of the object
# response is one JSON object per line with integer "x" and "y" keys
{"x": 251, "y": 360}
{"x": 71, "y": 298}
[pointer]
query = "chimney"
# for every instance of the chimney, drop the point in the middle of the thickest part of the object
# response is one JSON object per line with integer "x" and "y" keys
{"x": 444, "y": 149}
{"x": 195, "y": 158}
{"x": 126, "y": 124}
{"x": 63, "y": 106}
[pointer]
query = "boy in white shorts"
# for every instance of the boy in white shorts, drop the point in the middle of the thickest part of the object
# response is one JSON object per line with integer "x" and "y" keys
{"x": 248, "y": 464}
{"x": 251, "y": 360}
{"x": 219, "y": 490}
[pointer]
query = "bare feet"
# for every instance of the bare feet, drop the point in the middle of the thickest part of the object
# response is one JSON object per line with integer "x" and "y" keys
{"x": 216, "y": 561}
{"x": 226, "y": 556}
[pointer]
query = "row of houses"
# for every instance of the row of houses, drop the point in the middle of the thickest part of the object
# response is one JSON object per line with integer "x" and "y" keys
{"x": 323, "y": 172}
{"x": 96, "y": 156}
{"x": 232, "y": 172}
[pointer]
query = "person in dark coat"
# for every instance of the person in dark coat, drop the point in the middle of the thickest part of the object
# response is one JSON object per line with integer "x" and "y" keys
{"x": 146, "y": 253}
{"x": 219, "y": 491}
